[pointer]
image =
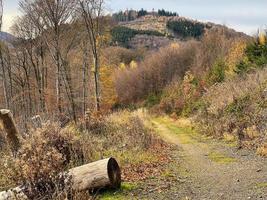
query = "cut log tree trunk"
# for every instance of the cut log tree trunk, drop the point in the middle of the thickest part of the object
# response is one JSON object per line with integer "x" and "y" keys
{"x": 101, "y": 174}
{"x": 11, "y": 130}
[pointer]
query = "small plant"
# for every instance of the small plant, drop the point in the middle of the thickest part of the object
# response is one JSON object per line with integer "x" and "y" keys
{"x": 217, "y": 73}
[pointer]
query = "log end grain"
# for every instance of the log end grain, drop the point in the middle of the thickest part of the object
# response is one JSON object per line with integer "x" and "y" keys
{"x": 114, "y": 173}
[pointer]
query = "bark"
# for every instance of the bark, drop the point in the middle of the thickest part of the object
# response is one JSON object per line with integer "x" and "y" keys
{"x": 85, "y": 77}
{"x": 4, "y": 80}
{"x": 11, "y": 130}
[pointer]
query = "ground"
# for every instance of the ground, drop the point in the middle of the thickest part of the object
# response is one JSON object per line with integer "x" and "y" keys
{"x": 200, "y": 168}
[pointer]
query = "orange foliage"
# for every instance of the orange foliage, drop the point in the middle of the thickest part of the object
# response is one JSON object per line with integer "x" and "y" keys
{"x": 235, "y": 55}
{"x": 108, "y": 95}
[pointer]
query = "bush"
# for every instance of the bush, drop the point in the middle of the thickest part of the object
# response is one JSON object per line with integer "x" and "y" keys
{"x": 255, "y": 57}
{"x": 257, "y": 53}
{"x": 154, "y": 73}
{"x": 183, "y": 98}
{"x": 50, "y": 151}
{"x": 152, "y": 100}
{"x": 41, "y": 161}
{"x": 237, "y": 107}
{"x": 217, "y": 73}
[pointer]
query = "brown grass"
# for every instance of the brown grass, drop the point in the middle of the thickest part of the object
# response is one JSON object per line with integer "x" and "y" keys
{"x": 49, "y": 151}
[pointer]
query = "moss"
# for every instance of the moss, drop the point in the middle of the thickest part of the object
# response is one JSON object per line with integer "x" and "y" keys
{"x": 220, "y": 158}
{"x": 120, "y": 194}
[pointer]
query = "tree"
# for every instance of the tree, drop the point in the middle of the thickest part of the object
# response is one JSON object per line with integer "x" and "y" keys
{"x": 4, "y": 78}
{"x": 92, "y": 13}
{"x": 35, "y": 50}
{"x": 1, "y": 13}
{"x": 142, "y": 12}
{"x": 50, "y": 17}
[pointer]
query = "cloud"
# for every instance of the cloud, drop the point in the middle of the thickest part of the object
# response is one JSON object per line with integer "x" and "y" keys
{"x": 8, "y": 20}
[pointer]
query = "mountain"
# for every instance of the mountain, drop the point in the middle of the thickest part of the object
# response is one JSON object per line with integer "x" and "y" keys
{"x": 7, "y": 37}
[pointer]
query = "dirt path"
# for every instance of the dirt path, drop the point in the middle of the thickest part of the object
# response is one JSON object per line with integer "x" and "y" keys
{"x": 204, "y": 168}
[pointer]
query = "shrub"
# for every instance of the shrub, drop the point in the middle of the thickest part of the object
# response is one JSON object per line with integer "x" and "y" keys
{"x": 257, "y": 53}
{"x": 217, "y": 73}
{"x": 237, "y": 107}
{"x": 44, "y": 155}
{"x": 154, "y": 73}
{"x": 152, "y": 100}
{"x": 183, "y": 98}
{"x": 255, "y": 57}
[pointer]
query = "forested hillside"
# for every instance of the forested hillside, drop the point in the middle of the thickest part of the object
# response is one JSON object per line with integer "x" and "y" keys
{"x": 79, "y": 85}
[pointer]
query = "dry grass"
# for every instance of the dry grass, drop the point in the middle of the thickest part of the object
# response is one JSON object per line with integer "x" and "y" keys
{"x": 221, "y": 95}
{"x": 49, "y": 151}
{"x": 262, "y": 151}
{"x": 237, "y": 107}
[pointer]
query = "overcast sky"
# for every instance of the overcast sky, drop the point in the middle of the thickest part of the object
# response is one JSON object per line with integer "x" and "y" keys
{"x": 242, "y": 15}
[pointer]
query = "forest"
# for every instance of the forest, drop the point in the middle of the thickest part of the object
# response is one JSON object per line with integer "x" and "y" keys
{"x": 85, "y": 114}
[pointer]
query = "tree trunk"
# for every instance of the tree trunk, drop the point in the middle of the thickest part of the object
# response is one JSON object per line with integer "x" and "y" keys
{"x": 101, "y": 174}
{"x": 85, "y": 78}
{"x": 97, "y": 86}
{"x": 4, "y": 79}
{"x": 11, "y": 130}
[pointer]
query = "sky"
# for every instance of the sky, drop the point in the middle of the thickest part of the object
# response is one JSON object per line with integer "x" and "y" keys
{"x": 242, "y": 15}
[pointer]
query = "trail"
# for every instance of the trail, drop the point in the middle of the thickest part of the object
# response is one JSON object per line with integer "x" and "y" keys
{"x": 205, "y": 168}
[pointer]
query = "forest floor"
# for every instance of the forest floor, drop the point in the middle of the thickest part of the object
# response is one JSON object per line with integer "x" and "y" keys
{"x": 200, "y": 168}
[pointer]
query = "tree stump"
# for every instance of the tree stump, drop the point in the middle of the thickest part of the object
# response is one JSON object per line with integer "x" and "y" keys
{"x": 11, "y": 130}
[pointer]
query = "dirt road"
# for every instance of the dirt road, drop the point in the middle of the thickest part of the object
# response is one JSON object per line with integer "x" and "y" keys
{"x": 201, "y": 168}
{"x": 205, "y": 168}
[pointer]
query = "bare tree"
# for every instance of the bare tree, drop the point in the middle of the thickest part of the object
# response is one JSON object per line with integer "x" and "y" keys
{"x": 4, "y": 80}
{"x": 92, "y": 12}
{"x": 1, "y": 13}
{"x": 50, "y": 16}
{"x": 33, "y": 46}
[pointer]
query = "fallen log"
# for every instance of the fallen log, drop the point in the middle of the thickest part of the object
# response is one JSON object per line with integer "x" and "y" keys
{"x": 11, "y": 130}
{"x": 101, "y": 174}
